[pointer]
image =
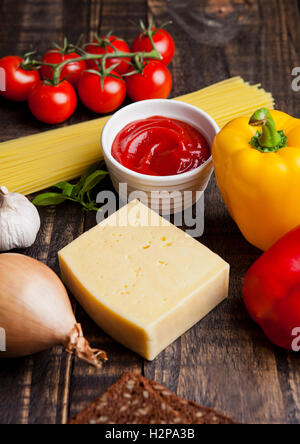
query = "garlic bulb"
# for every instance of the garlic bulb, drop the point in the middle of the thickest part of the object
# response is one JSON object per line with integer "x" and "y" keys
{"x": 19, "y": 221}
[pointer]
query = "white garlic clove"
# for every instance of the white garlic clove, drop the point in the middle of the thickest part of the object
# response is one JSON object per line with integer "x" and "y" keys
{"x": 19, "y": 221}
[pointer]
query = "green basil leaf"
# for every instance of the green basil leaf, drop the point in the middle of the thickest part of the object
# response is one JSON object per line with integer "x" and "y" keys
{"x": 92, "y": 181}
{"x": 65, "y": 187}
{"x": 91, "y": 169}
{"x": 46, "y": 199}
{"x": 90, "y": 206}
{"x": 92, "y": 176}
{"x": 60, "y": 185}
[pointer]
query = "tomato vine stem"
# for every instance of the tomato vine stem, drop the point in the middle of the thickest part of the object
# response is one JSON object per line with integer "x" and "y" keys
{"x": 137, "y": 57}
{"x": 154, "y": 54}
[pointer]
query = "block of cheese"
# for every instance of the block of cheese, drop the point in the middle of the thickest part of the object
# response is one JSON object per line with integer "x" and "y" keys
{"x": 143, "y": 280}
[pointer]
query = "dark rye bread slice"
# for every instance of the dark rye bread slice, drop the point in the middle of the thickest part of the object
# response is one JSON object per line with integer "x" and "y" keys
{"x": 194, "y": 413}
{"x": 130, "y": 401}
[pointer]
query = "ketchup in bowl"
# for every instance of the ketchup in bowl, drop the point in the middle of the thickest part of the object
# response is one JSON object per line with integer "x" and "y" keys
{"x": 160, "y": 146}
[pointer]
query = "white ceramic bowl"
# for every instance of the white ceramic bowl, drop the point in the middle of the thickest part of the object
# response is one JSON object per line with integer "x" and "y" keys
{"x": 143, "y": 186}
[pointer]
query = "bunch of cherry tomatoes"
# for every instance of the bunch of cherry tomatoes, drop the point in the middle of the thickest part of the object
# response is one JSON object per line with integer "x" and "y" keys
{"x": 102, "y": 74}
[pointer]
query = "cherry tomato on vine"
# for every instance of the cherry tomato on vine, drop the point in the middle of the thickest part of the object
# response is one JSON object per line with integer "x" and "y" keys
{"x": 101, "y": 46}
{"x": 18, "y": 81}
{"x": 53, "y": 103}
{"x": 101, "y": 98}
{"x": 154, "y": 83}
{"x": 70, "y": 72}
{"x": 163, "y": 42}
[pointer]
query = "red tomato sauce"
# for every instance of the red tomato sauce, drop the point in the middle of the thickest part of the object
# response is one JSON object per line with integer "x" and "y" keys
{"x": 160, "y": 146}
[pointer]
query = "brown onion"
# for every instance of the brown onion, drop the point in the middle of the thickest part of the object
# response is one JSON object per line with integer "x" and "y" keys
{"x": 36, "y": 313}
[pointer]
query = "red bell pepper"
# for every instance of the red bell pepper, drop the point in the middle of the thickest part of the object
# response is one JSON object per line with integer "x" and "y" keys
{"x": 271, "y": 292}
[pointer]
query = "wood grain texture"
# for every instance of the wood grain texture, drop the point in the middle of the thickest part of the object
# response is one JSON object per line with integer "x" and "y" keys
{"x": 225, "y": 361}
{"x": 232, "y": 368}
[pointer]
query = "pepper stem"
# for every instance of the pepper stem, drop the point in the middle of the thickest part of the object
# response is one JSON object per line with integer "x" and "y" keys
{"x": 269, "y": 139}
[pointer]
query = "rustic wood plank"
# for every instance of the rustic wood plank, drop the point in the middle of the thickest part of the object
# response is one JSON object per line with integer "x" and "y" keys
{"x": 21, "y": 408}
{"x": 12, "y": 370}
{"x": 290, "y": 386}
{"x": 51, "y": 371}
{"x": 277, "y": 55}
{"x": 87, "y": 383}
{"x": 44, "y": 380}
{"x": 282, "y": 52}
{"x": 42, "y": 393}
{"x": 225, "y": 362}
{"x": 58, "y": 400}
{"x": 21, "y": 403}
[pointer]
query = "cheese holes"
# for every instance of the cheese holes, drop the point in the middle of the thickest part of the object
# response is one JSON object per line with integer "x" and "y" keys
{"x": 163, "y": 263}
{"x": 146, "y": 247}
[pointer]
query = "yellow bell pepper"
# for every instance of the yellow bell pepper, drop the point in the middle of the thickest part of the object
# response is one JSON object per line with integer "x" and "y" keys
{"x": 258, "y": 174}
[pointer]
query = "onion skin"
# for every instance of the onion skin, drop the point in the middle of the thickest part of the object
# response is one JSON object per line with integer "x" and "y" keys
{"x": 36, "y": 312}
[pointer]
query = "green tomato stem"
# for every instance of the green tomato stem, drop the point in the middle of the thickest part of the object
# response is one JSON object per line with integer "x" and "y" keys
{"x": 154, "y": 54}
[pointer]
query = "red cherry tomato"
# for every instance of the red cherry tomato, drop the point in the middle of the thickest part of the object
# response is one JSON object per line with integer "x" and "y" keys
{"x": 101, "y": 98}
{"x": 53, "y": 103}
{"x": 18, "y": 81}
{"x": 154, "y": 83}
{"x": 104, "y": 48}
{"x": 163, "y": 42}
{"x": 70, "y": 72}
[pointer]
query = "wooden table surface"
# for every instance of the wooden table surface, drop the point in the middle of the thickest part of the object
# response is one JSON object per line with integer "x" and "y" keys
{"x": 225, "y": 361}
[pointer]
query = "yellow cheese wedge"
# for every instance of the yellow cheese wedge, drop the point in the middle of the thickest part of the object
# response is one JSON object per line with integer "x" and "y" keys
{"x": 142, "y": 280}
